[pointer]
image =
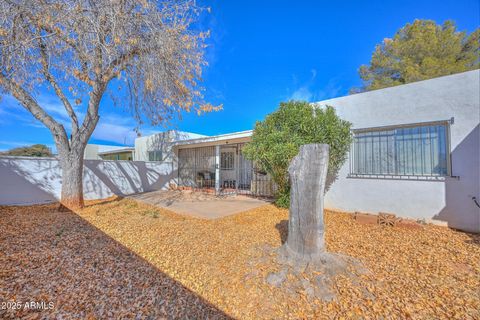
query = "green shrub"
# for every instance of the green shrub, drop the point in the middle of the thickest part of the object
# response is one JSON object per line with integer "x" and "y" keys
{"x": 277, "y": 139}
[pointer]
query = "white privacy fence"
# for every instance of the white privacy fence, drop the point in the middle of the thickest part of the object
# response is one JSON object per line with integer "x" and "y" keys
{"x": 25, "y": 180}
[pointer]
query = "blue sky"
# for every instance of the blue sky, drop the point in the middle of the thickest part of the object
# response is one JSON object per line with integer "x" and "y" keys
{"x": 261, "y": 53}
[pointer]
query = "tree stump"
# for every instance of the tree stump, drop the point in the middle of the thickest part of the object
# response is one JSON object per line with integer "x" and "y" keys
{"x": 304, "y": 251}
{"x": 308, "y": 173}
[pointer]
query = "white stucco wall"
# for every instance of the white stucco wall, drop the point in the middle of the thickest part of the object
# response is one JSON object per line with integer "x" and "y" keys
{"x": 161, "y": 141}
{"x": 38, "y": 180}
{"x": 91, "y": 152}
{"x": 448, "y": 200}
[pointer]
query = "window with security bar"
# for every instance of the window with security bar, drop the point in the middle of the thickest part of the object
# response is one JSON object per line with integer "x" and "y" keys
{"x": 227, "y": 160}
{"x": 408, "y": 150}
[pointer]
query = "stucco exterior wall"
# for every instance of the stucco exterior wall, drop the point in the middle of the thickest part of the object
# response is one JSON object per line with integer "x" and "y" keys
{"x": 91, "y": 152}
{"x": 161, "y": 142}
{"x": 38, "y": 180}
{"x": 127, "y": 155}
{"x": 448, "y": 200}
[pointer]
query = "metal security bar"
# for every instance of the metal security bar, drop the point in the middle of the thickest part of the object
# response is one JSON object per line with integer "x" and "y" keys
{"x": 420, "y": 150}
{"x": 237, "y": 175}
{"x": 196, "y": 167}
{"x": 252, "y": 180}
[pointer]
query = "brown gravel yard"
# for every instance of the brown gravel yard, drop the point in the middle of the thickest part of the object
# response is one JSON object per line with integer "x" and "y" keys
{"x": 121, "y": 258}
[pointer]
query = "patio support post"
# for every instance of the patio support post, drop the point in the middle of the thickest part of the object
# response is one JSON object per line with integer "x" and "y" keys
{"x": 217, "y": 169}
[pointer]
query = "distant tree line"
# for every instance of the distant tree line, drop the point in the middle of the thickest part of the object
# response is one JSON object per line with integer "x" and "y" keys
{"x": 36, "y": 150}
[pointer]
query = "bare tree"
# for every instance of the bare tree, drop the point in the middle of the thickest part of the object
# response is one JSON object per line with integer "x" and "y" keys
{"x": 147, "y": 54}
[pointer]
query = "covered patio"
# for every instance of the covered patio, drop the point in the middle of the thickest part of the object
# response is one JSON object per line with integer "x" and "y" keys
{"x": 218, "y": 165}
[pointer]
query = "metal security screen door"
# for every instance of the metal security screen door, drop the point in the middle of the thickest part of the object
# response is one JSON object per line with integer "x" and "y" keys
{"x": 251, "y": 179}
{"x": 197, "y": 169}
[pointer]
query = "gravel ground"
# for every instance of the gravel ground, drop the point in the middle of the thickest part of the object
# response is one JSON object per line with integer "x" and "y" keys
{"x": 49, "y": 256}
{"x": 121, "y": 258}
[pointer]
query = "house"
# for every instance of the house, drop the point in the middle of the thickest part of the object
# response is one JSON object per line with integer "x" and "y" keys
{"x": 217, "y": 163}
{"x": 106, "y": 152}
{"x": 416, "y": 153}
{"x": 158, "y": 147}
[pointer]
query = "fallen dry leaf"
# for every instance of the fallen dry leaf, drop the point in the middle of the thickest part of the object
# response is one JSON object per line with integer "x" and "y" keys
{"x": 120, "y": 258}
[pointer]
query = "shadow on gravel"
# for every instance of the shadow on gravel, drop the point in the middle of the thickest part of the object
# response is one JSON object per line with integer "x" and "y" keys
{"x": 282, "y": 228}
{"x": 57, "y": 257}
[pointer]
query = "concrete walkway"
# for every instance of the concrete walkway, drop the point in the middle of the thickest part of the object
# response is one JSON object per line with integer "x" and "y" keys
{"x": 199, "y": 204}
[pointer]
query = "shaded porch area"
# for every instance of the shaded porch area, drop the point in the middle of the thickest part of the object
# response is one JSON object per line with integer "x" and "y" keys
{"x": 222, "y": 169}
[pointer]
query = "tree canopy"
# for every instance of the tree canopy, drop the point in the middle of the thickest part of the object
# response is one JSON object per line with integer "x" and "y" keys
{"x": 420, "y": 50}
{"x": 36, "y": 150}
{"x": 148, "y": 55}
{"x": 277, "y": 140}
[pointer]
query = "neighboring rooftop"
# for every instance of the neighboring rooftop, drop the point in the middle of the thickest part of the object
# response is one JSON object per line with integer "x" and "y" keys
{"x": 115, "y": 150}
{"x": 175, "y": 135}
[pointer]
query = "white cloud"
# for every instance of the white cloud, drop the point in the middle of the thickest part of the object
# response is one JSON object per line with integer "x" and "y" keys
{"x": 302, "y": 93}
{"x": 306, "y": 91}
{"x": 14, "y": 144}
{"x": 123, "y": 134}
{"x": 112, "y": 127}
{"x": 120, "y": 129}
{"x": 331, "y": 90}
{"x": 52, "y": 106}
{"x": 54, "y": 109}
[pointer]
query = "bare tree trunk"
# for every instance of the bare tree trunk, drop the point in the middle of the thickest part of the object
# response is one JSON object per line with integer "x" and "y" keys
{"x": 304, "y": 251}
{"x": 72, "y": 179}
{"x": 71, "y": 153}
{"x": 308, "y": 172}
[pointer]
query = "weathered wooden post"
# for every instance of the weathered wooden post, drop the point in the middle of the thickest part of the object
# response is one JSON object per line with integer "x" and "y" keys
{"x": 304, "y": 250}
{"x": 308, "y": 174}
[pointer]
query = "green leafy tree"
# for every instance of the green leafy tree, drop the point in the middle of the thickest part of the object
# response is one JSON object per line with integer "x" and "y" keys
{"x": 277, "y": 139}
{"x": 418, "y": 51}
{"x": 36, "y": 150}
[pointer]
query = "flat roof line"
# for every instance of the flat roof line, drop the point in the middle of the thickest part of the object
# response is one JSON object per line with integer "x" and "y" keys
{"x": 117, "y": 150}
{"x": 232, "y": 135}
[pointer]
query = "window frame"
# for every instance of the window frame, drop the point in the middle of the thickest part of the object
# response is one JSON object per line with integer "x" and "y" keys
{"x": 155, "y": 152}
{"x": 446, "y": 123}
{"x": 222, "y": 162}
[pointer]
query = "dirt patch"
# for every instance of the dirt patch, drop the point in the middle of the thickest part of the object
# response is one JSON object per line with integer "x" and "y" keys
{"x": 217, "y": 268}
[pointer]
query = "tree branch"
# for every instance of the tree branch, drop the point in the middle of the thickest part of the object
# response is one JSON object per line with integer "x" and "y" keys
{"x": 98, "y": 88}
{"x": 83, "y": 76}
{"x": 119, "y": 63}
{"x": 29, "y": 103}
{"x": 58, "y": 90}
{"x": 92, "y": 117}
